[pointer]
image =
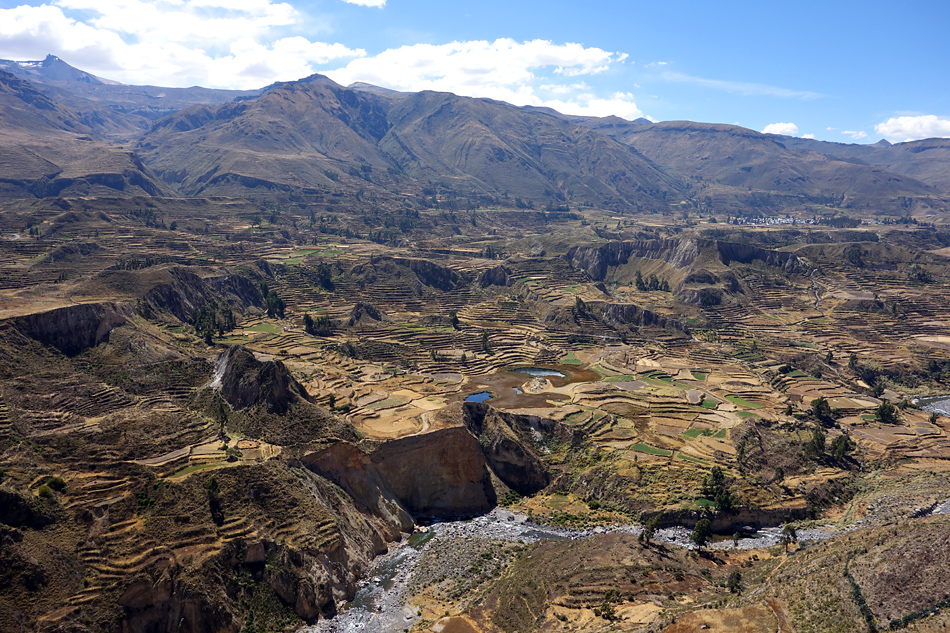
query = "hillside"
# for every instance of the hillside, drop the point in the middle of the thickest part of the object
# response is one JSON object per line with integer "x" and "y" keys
{"x": 47, "y": 149}
{"x": 138, "y": 105}
{"x": 315, "y": 133}
{"x": 926, "y": 160}
{"x": 736, "y": 167}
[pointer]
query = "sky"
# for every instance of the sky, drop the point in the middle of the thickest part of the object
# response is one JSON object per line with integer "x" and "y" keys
{"x": 835, "y": 70}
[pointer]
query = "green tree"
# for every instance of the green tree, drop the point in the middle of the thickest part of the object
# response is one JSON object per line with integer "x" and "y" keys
{"x": 701, "y": 534}
{"x": 649, "y": 530}
{"x": 886, "y": 413}
{"x": 841, "y": 446}
{"x": 734, "y": 583}
{"x": 789, "y": 536}
{"x": 816, "y": 445}
{"x": 275, "y": 305}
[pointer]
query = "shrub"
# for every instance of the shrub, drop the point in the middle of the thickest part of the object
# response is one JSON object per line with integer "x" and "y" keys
{"x": 45, "y": 491}
{"x": 57, "y": 483}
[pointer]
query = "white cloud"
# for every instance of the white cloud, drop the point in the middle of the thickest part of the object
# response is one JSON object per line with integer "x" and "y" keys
{"x": 367, "y": 3}
{"x": 743, "y": 88}
{"x": 563, "y": 89}
{"x": 504, "y": 69}
{"x": 786, "y": 129}
{"x": 855, "y": 134}
{"x": 251, "y": 43}
{"x": 907, "y": 128}
{"x": 215, "y": 43}
{"x": 808, "y": 136}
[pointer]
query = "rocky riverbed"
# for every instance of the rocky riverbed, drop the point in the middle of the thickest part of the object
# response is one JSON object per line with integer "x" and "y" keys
{"x": 379, "y": 605}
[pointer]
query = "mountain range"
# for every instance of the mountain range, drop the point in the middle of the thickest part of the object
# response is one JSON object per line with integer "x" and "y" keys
{"x": 64, "y": 131}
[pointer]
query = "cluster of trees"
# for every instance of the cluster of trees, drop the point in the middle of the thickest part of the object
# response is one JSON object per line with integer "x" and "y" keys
{"x": 714, "y": 488}
{"x": 273, "y": 304}
{"x": 651, "y": 283}
{"x": 322, "y": 326}
{"x": 212, "y": 318}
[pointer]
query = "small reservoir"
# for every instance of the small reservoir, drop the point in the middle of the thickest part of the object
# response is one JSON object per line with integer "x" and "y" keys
{"x": 538, "y": 371}
{"x": 481, "y": 396}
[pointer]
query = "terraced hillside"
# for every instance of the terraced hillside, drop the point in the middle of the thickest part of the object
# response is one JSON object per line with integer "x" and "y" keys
{"x": 213, "y": 407}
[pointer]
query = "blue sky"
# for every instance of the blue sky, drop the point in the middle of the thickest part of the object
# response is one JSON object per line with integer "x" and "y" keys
{"x": 841, "y": 71}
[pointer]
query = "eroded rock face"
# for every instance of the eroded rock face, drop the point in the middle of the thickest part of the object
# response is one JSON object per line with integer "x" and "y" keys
{"x": 437, "y": 474}
{"x": 513, "y": 444}
{"x": 441, "y": 474}
{"x": 74, "y": 329}
{"x": 245, "y": 381}
{"x": 362, "y": 310}
{"x": 497, "y": 276}
{"x": 182, "y": 292}
{"x": 631, "y": 314}
{"x": 413, "y": 271}
{"x": 678, "y": 253}
{"x": 353, "y": 470}
{"x": 597, "y": 260}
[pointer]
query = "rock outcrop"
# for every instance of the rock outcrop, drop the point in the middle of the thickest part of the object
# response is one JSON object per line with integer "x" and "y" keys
{"x": 180, "y": 292}
{"x": 678, "y": 253}
{"x": 415, "y": 272}
{"x": 513, "y": 444}
{"x": 620, "y": 314}
{"x": 498, "y": 276}
{"x": 361, "y": 311}
{"x": 245, "y": 381}
{"x": 76, "y": 328}
{"x": 439, "y": 474}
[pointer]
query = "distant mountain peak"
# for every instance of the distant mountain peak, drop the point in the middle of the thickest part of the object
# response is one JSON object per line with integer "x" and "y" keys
{"x": 882, "y": 143}
{"x": 52, "y": 69}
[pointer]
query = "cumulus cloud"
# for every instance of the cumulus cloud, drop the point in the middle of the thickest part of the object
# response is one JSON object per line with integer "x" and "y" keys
{"x": 504, "y": 69}
{"x": 907, "y": 128}
{"x": 785, "y": 129}
{"x": 251, "y": 43}
{"x": 367, "y": 3}
{"x": 215, "y": 43}
{"x": 855, "y": 134}
{"x": 808, "y": 136}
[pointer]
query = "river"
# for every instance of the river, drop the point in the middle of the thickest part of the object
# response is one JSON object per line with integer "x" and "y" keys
{"x": 379, "y": 604}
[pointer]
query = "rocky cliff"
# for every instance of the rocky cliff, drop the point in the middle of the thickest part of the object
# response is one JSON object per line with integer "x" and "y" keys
{"x": 440, "y": 474}
{"x": 74, "y": 329}
{"x": 245, "y": 381}
{"x": 678, "y": 253}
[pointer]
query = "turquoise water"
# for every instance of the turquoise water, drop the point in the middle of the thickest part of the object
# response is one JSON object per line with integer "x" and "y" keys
{"x": 538, "y": 371}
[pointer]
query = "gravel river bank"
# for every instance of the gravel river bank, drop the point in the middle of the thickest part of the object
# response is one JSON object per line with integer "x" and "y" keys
{"x": 379, "y": 604}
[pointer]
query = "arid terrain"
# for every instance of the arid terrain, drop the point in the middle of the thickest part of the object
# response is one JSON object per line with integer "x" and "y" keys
{"x": 240, "y": 361}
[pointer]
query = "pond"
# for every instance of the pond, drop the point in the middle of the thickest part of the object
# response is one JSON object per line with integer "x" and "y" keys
{"x": 538, "y": 371}
{"x": 481, "y": 396}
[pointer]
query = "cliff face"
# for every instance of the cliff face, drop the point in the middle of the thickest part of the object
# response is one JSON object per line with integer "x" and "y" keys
{"x": 414, "y": 272}
{"x": 497, "y": 276}
{"x": 180, "y": 292}
{"x": 744, "y": 254}
{"x": 354, "y": 471}
{"x": 631, "y": 314}
{"x": 245, "y": 381}
{"x": 597, "y": 260}
{"x": 74, "y": 329}
{"x": 514, "y": 444}
{"x": 440, "y": 474}
{"x": 678, "y": 253}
